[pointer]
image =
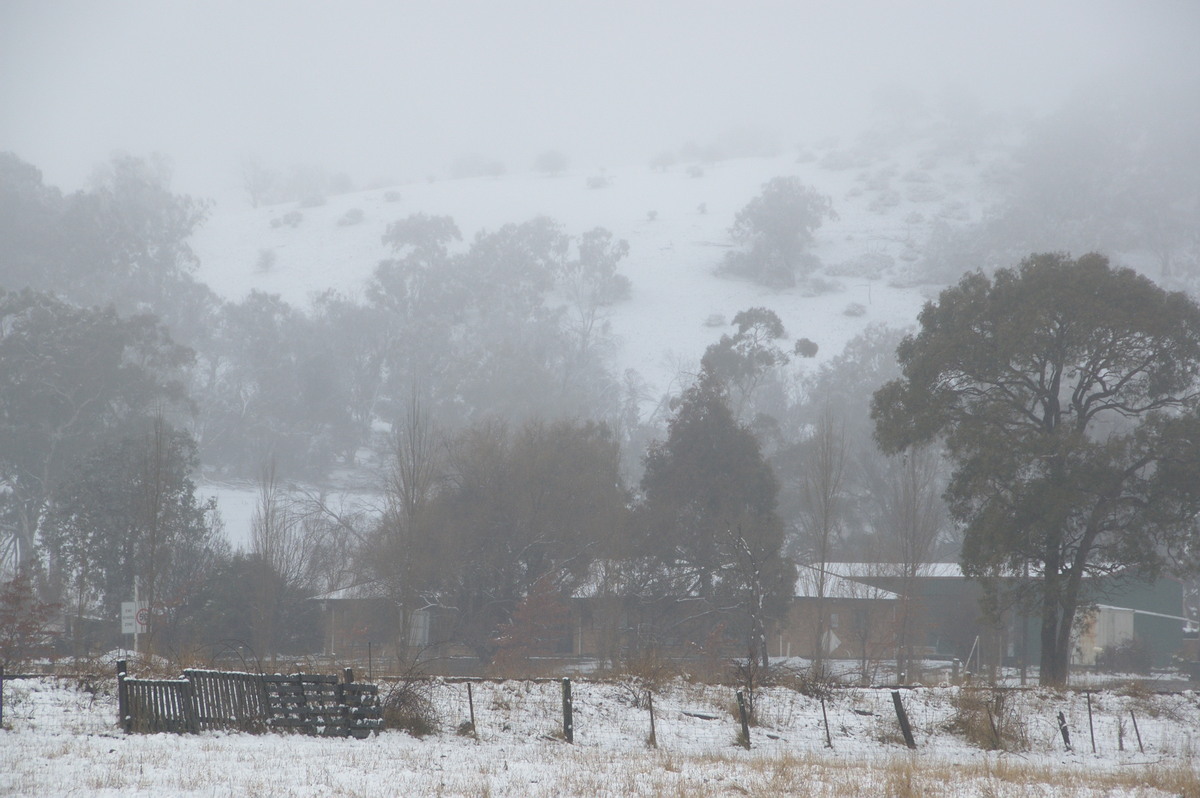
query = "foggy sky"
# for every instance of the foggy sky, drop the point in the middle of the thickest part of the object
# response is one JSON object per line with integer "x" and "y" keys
{"x": 399, "y": 90}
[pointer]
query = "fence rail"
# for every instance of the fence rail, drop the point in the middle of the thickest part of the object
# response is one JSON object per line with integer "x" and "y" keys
{"x": 205, "y": 700}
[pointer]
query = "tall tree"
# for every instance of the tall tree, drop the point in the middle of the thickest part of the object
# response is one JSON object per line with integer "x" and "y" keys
{"x": 69, "y": 377}
{"x": 709, "y": 514}
{"x": 1067, "y": 394}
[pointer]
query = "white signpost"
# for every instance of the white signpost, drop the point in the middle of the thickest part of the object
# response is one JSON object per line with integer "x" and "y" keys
{"x": 135, "y": 617}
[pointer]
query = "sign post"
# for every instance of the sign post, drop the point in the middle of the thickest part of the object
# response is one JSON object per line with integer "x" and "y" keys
{"x": 135, "y": 616}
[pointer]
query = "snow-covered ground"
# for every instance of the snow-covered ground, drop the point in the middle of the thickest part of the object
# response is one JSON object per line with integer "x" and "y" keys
{"x": 61, "y": 740}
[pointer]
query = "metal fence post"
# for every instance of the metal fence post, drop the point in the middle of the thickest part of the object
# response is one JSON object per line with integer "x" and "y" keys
{"x": 123, "y": 698}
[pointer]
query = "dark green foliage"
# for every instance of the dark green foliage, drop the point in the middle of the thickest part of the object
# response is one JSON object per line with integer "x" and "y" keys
{"x": 539, "y": 503}
{"x": 708, "y": 519}
{"x": 1066, "y": 393}
{"x": 70, "y": 378}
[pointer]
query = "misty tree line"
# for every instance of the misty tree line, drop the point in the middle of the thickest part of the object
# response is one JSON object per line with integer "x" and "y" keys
{"x": 495, "y": 347}
{"x": 519, "y": 468}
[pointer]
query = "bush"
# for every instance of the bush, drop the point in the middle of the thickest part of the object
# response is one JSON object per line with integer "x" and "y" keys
{"x": 1132, "y": 656}
{"x": 266, "y": 261}
{"x": 408, "y": 705}
{"x": 805, "y": 348}
{"x": 351, "y": 217}
{"x": 855, "y": 309}
{"x": 987, "y": 719}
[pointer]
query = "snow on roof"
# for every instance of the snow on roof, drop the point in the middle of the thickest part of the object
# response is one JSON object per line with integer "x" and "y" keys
{"x": 926, "y": 570}
{"x": 836, "y": 586}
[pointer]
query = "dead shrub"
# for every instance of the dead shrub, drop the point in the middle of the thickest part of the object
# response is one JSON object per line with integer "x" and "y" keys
{"x": 408, "y": 706}
{"x": 987, "y": 719}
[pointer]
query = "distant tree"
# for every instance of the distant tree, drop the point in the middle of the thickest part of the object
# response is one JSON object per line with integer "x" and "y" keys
{"x": 1067, "y": 395}
{"x": 551, "y": 162}
{"x": 742, "y": 361}
{"x": 518, "y": 507}
{"x": 126, "y": 511}
{"x": 823, "y": 487}
{"x": 258, "y": 181}
{"x": 775, "y": 231}
{"x": 708, "y": 517}
{"x": 26, "y": 623}
{"x": 70, "y": 378}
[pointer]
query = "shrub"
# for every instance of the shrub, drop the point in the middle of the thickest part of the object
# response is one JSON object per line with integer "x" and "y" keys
{"x": 1131, "y": 656}
{"x": 391, "y": 196}
{"x": 805, "y": 348}
{"x": 266, "y": 261}
{"x": 855, "y": 309}
{"x": 987, "y": 719}
{"x": 351, "y": 217}
{"x": 408, "y": 705}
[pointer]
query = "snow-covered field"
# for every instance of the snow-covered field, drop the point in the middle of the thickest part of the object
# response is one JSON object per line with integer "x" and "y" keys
{"x": 60, "y": 739}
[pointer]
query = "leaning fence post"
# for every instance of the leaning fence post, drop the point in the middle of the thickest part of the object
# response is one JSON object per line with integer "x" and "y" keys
{"x": 1135, "y": 731}
{"x": 653, "y": 740}
{"x": 471, "y": 707}
{"x": 122, "y": 697}
{"x": 902, "y": 716}
{"x": 741, "y": 701}
{"x": 568, "y": 707}
{"x": 1066, "y": 733}
{"x": 825, "y": 716}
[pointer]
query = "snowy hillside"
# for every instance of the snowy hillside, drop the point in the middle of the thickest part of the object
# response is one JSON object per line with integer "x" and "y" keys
{"x": 676, "y": 222}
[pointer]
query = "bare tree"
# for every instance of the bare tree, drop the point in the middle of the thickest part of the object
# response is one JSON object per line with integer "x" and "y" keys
{"x": 287, "y": 544}
{"x": 821, "y": 517}
{"x": 915, "y": 518}
{"x": 417, "y": 460}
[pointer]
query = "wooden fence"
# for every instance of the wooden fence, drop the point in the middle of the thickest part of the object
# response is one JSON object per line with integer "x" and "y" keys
{"x": 204, "y": 700}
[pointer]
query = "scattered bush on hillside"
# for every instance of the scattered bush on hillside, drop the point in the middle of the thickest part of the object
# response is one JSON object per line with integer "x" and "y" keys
{"x": 805, "y": 348}
{"x": 391, "y": 196}
{"x": 855, "y": 309}
{"x": 266, "y": 261}
{"x": 867, "y": 266}
{"x": 351, "y": 217}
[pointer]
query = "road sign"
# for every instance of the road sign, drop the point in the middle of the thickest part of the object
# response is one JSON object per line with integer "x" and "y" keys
{"x": 135, "y": 617}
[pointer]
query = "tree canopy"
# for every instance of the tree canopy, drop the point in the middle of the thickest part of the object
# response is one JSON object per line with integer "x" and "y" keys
{"x": 1067, "y": 394}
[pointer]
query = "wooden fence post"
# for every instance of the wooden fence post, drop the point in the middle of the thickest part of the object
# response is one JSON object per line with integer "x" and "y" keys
{"x": 1066, "y": 733}
{"x": 471, "y": 707}
{"x": 122, "y": 697}
{"x": 825, "y": 716}
{"x": 902, "y": 716}
{"x": 1135, "y": 731}
{"x": 741, "y": 701}
{"x": 653, "y": 741}
{"x": 568, "y": 711}
{"x": 1091, "y": 729}
{"x": 1, "y": 696}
